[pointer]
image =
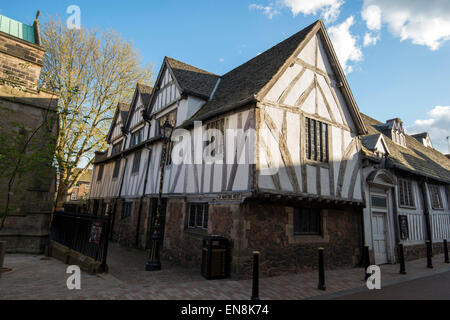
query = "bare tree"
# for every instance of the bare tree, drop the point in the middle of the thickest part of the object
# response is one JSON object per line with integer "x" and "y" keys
{"x": 91, "y": 71}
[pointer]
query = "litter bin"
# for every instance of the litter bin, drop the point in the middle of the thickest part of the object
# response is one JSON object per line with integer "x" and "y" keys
{"x": 215, "y": 258}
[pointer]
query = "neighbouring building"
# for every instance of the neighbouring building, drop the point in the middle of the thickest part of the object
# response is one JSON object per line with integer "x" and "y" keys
{"x": 407, "y": 192}
{"x": 25, "y": 108}
{"x": 79, "y": 192}
{"x": 292, "y": 178}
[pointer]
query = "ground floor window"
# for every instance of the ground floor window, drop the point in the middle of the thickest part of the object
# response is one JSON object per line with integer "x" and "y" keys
{"x": 126, "y": 209}
{"x": 198, "y": 216}
{"x": 307, "y": 221}
{"x": 435, "y": 195}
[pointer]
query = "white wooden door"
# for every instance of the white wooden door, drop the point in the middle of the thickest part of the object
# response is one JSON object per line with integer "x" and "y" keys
{"x": 379, "y": 237}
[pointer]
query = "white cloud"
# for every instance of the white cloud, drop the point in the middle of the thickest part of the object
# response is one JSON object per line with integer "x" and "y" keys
{"x": 370, "y": 39}
{"x": 424, "y": 23}
{"x": 437, "y": 125}
{"x": 345, "y": 44}
{"x": 329, "y": 9}
{"x": 372, "y": 15}
{"x": 221, "y": 59}
{"x": 270, "y": 11}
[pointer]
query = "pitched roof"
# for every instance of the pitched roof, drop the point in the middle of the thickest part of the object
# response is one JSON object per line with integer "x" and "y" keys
{"x": 248, "y": 82}
{"x": 122, "y": 110}
{"x": 86, "y": 177}
{"x": 193, "y": 80}
{"x": 146, "y": 93}
{"x": 245, "y": 81}
{"x": 422, "y": 135}
{"x": 415, "y": 158}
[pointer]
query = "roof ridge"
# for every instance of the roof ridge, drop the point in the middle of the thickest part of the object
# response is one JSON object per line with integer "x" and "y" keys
{"x": 279, "y": 44}
{"x": 189, "y": 65}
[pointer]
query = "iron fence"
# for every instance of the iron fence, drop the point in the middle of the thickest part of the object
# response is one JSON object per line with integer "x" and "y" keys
{"x": 84, "y": 233}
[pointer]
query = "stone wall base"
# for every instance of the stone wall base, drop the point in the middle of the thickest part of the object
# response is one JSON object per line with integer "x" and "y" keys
{"x": 418, "y": 251}
{"x": 70, "y": 257}
{"x": 21, "y": 243}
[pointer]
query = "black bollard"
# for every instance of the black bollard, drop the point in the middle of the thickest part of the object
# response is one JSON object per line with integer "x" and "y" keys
{"x": 447, "y": 260}
{"x": 255, "y": 288}
{"x": 401, "y": 258}
{"x": 366, "y": 262}
{"x": 321, "y": 285}
{"x": 429, "y": 261}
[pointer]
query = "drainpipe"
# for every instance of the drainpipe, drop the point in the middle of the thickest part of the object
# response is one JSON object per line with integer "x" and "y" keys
{"x": 142, "y": 197}
{"x": 138, "y": 226}
{"x": 426, "y": 209}
{"x": 121, "y": 184}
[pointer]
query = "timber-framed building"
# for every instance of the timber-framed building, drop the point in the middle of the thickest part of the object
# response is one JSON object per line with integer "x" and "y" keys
{"x": 304, "y": 179}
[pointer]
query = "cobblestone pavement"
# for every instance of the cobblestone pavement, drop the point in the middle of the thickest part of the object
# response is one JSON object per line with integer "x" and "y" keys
{"x": 37, "y": 277}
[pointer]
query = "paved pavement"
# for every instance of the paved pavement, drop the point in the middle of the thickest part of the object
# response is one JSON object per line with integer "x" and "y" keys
{"x": 37, "y": 277}
{"x": 435, "y": 287}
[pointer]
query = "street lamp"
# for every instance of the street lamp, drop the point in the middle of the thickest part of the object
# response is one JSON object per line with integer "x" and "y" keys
{"x": 154, "y": 263}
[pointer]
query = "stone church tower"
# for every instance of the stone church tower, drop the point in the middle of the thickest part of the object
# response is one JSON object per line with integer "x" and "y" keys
{"x": 25, "y": 111}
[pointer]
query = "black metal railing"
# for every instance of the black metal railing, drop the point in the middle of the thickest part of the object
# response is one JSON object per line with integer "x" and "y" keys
{"x": 86, "y": 234}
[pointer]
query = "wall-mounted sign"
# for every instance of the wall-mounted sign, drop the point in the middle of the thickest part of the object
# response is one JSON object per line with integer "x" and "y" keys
{"x": 96, "y": 232}
{"x": 230, "y": 196}
{"x": 404, "y": 228}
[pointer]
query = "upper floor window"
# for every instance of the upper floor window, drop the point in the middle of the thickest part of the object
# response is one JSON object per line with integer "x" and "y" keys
{"x": 316, "y": 140}
{"x": 117, "y": 147}
{"x": 136, "y": 161}
{"x": 116, "y": 169}
{"x": 74, "y": 196}
{"x": 198, "y": 216}
{"x": 435, "y": 196}
{"x": 406, "y": 193}
{"x": 307, "y": 221}
{"x": 137, "y": 137}
{"x": 216, "y": 125}
{"x": 100, "y": 172}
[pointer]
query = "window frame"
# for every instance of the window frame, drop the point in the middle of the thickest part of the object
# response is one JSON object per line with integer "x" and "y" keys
{"x": 406, "y": 188}
{"x": 116, "y": 170}
{"x": 435, "y": 189}
{"x": 136, "y": 162}
{"x": 127, "y": 209}
{"x": 101, "y": 168}
{"x": 317, "y": 143}
{"x": 315, "y": 230}
{"x": 204, "y": 207}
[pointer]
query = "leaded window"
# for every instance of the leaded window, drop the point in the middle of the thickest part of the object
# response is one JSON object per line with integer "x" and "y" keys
{"x": 435, "y": 196}
{"x": 136, "y": 161}
{"x": 406, "y": 193}
{"x": 198, "y": 216}
{"x": 316, "y": 140}
{"x": 307, "y": 221}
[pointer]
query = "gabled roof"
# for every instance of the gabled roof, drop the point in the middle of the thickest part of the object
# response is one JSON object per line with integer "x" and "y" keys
{"x": 146, "y": 93}
{"x": 192, "y": 80}
{"x": 371, "y": 141}
{"x": 121, "y": 111}
{"x": 416, "y": 158}
{"x": 246, "y": 81}
{"x": 422, "y": 135}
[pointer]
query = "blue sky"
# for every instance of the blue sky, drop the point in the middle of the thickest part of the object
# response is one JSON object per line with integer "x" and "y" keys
{"x": 404, "y": 74}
